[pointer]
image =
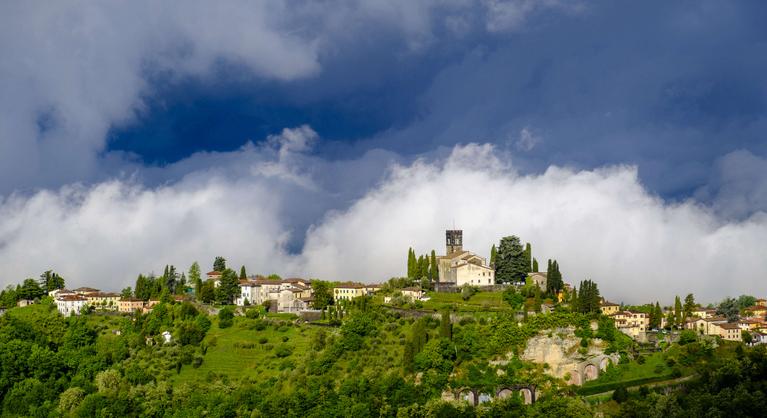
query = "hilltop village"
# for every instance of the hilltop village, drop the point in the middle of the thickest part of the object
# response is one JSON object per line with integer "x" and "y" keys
{"x": 462, "y": 332}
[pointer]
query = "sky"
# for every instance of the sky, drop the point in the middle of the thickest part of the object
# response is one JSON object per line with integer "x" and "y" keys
{"x": 628, "y": 140}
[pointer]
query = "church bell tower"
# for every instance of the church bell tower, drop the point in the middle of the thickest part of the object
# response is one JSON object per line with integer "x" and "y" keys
{"x": 454, "y": 240}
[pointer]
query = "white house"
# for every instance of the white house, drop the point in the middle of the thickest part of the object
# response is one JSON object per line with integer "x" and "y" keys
{"x": 71, "y": 304}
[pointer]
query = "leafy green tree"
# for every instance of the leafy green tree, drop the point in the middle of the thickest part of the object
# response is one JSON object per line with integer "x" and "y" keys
{"x": 689, "y": 305}
{"x": 51, "y": 281}
{"x": 745, "y": 301}
{"x": 195, "y": 277}
{"x": 207, "y": 292}
{"x": 620, "y": 394}
{"x": 513, "y": 298}
{"x": 228, "y": 288}
{"x": 219, "y": 264}
{"x": 729, "y": 308}
{"x": 323, "y": 295}
{"x": 225, "y": 317}
{"x": 510, "y": 263}
{"x": 746, "y": 337}
{"x": 126, "y": 293}
{"x": 31, "y": 290}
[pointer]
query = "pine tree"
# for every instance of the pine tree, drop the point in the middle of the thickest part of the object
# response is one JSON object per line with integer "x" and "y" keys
{"x": 535, "y": 265}
{"x": 434, "y": 270}
{"x": 510, "y": 264}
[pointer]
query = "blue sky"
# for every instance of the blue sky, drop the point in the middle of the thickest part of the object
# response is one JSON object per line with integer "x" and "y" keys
{"x": 306, "y": 113}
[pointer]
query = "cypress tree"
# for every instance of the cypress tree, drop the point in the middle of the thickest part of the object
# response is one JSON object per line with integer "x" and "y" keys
{"x": 493, "y": 255}
{"x": 678, "y": 314}
{"x": 535, "y": 265}
{"x": 411, "y": 263}
{"x": 243, "y": 274}
{"x": 445, "y": 327}
{"x": 434, "y": 267}
{"x": 528, "y": 257}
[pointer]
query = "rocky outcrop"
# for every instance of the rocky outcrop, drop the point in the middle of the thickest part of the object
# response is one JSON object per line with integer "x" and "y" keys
{"x": 561, "y": 350}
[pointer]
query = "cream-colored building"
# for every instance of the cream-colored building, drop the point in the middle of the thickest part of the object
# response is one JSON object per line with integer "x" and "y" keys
{"x": 631, "y": 323}
{"x": 704, "y": 312}
{"x": 71, "y": 304}
{"x": 103, "y": 301}
{"x": 412, "y": 293}
{"x": 539, "y": 278}
{"x": 728, "y": 331}
{"x": 463, "y": 267}
{"x": 609, "y": 308}
{"x": 86, "y": 291}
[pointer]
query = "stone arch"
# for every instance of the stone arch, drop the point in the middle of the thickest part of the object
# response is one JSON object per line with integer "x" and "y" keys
{"x": 590, "y": 372}
{"x": 527, "y": 395}
{"x": 504, "y": 393}
{"x": 604, "y": 363}
{"x": 575, "y": 378}
{"x": 468, "y": 395}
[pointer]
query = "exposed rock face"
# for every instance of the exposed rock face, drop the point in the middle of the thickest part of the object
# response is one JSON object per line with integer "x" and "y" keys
{"x": 560, "y": 350}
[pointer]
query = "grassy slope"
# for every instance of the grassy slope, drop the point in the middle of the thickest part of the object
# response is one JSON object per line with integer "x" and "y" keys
{"x": 482, "y": 301}
{"x": 226, "y": 357}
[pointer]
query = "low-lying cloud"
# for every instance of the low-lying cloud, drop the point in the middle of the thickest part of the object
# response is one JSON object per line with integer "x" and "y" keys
{"x": 600, "y": 224}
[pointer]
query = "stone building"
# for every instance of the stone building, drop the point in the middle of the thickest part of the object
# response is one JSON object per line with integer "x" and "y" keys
{"x": 461, "y": 267}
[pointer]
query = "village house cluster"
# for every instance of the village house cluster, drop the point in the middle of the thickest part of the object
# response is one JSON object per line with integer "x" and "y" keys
{"x": 77, "y": 301}
{"x": 704, "y": 320}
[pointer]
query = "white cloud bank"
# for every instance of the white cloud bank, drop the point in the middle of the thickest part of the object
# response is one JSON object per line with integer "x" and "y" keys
{"x": 600, "y": 224}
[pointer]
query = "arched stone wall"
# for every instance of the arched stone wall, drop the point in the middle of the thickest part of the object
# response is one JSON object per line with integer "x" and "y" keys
{"x": 590, "y": 372}
{"x": 505, "y": 393}
{"x": 527, "y": 395}
{"x": 467, "y": 395}
{"x": 575, "y": 378}
{"x": 604, "y": 363}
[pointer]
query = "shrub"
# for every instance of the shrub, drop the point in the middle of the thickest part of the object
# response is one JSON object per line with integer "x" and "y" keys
{"x": 285, "y": 338}
{"x": 283, "y": 351}
{"x": 640, "y": 359}
{"x": 263, "y": 340}
{"x": 620, "y": 394}
{"x": 196, "y": 361}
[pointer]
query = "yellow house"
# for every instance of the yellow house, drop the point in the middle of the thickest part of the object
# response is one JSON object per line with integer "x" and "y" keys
{"x": 609, "y": 308}
{"x": 130, "y": 305}
{"x": 761, "y": 302}
{"x": 103, "y": 301}
{"x": 349, "y": 291}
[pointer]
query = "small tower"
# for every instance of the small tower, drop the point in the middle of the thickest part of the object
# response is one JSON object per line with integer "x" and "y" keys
{"x": 454, "y": 240}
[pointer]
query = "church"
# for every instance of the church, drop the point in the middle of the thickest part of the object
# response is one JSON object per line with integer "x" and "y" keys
{"x": 459, "y": 267}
